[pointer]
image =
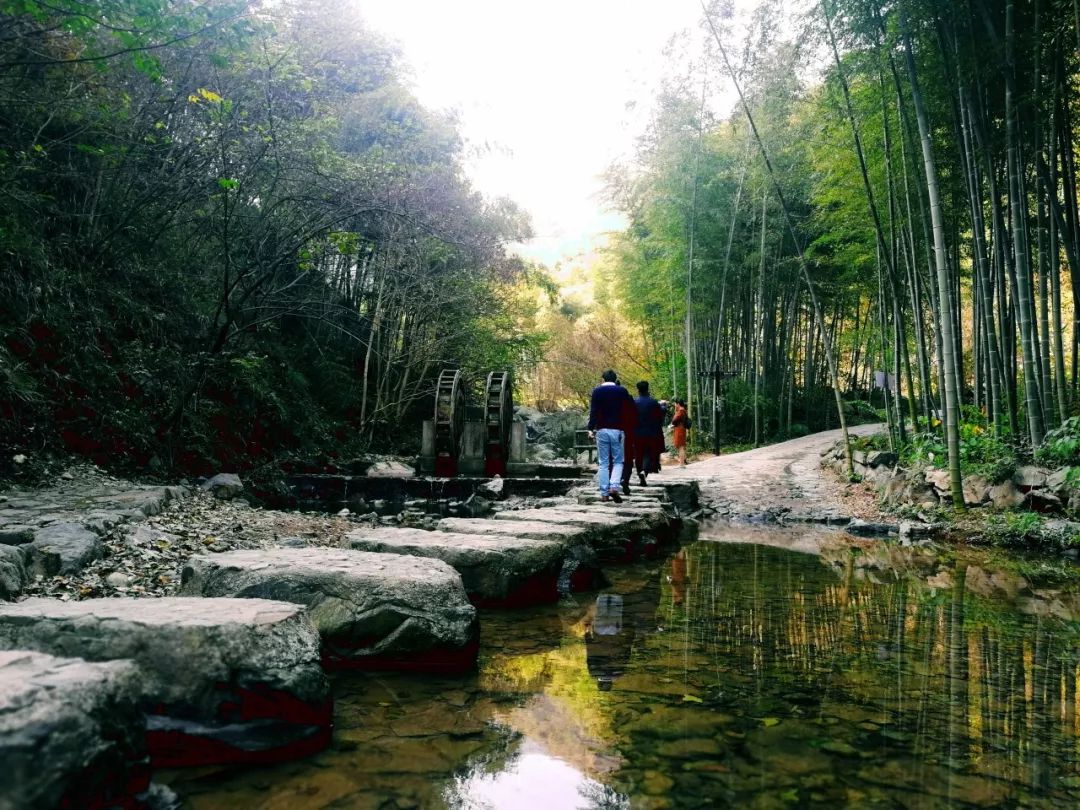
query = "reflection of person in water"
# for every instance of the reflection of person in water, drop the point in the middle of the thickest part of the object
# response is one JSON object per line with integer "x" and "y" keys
{"x": 678, "y": 577}
{"x": 616, "y": 622}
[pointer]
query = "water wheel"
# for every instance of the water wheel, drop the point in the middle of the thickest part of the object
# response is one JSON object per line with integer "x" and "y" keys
{"x": 498, "y": 416}
{"x": 449, "y": 421}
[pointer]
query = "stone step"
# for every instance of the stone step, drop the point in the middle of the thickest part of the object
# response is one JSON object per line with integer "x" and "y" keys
{"x": 530, "y": 529}
{"x": 498, "y": 570}
{"x": 221, "y": 680}
{"x": 641, "y": 510}
{"x": 373, "y": 611}
{"x": 614, "y": 537}
{"x": 570, "y": 516}
{"x": 71, "y": 732}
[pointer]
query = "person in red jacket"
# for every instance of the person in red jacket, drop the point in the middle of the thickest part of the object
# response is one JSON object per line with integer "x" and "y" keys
{"x": 678, "y": 429}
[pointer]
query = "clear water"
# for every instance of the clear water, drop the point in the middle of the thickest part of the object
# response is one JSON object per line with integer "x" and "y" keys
{"x": 730, "y": 674}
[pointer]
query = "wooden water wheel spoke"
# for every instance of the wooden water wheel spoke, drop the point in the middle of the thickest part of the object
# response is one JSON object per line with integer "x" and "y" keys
{"x": 449, "y": 421}
{"x": 498, "y": 416}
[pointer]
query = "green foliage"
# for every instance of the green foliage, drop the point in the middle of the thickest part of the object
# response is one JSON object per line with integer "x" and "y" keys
{"x": 240, "y": 236}
{"x": 1011, "y": 528}
{"x": 980, "y": 452}
{"x": 1061, "y": 446}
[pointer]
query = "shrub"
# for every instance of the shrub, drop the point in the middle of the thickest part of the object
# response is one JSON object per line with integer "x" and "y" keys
{"x": 1061, "y": 446}
{"x": 1012, "y": 528}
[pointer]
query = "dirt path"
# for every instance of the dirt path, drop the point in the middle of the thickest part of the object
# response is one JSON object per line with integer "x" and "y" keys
{"x": 780, "y": 481}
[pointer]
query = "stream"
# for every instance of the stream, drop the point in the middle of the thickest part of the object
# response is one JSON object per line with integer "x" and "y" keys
{"x": 739, "y": 671}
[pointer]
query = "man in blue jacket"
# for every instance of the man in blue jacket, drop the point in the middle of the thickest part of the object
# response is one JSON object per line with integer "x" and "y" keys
{"x": 607, "y": 417}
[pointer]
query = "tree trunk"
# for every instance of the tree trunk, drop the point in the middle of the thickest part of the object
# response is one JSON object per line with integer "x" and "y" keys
{"x": 951, "y": 393}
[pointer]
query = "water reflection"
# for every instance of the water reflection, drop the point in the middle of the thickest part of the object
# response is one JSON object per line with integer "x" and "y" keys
{"x": 613, "y": 624}
{"x": 517, "y": 786}
{"x": 732, "y": 674}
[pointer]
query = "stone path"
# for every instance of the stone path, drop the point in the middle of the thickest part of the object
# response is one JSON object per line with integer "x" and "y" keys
{"x": 782, "y": 481}
{"x": 58, "y": 530}
{"x": 233, "y": 671}
{"x": 498, "y": 570}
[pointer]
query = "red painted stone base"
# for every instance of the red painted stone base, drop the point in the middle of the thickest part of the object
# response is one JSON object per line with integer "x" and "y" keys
{"x": 175, "y": 749}
{"x": 279, "y": 727}
{"x": 539, "y": 589}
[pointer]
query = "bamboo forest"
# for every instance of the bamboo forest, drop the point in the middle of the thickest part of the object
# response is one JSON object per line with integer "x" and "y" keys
{"x": 607, "y": 405}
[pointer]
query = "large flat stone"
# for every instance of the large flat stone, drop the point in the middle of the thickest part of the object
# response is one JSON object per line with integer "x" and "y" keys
{"x": 613, "y": 536}
{"x": 498, "y": 570}
{"x": 71, "y": 734}
{"x": 588, "y": 518}
{"x": 63, "y": 548}
{"x": 373, "y": 611}
{"x": 221, "y": 680}
{"x": 532, "y": 529}
{"x": 650, "y": 512}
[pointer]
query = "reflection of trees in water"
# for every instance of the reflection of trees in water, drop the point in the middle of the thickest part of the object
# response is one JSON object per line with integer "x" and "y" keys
{"x": 969, "y": 678}
{"x": 602, "y": 797}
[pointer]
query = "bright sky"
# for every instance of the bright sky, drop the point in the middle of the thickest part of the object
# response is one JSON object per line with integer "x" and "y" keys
{"x": 541, "y": 90}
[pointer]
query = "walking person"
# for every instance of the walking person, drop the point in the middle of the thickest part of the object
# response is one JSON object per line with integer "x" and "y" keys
{"x": 680, "y": 423}
{"x": 648, "y": 433}
{"x": 629, "y": 425}
{"x": 607, "y": 415}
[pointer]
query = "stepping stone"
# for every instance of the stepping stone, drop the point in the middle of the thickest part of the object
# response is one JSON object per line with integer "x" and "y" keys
{"x": 530, "y": 529}
{"x": 373, "y": 611}
{"x": 498, "y": 570}
{"x": 647, "y": 511}
{"x": 589, "y": 518}
{"x": 615, "y": 537}
{"x": 221, "y": 680}
{"x": 71, "y": 733}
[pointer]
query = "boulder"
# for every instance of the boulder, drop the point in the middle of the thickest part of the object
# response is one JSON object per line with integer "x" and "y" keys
{"x": 471, "y": 507}
{"x": 498, "y": 570}
{"x": 372, "y": 611}
{"x": 16, "y": 534}
{"x": 14, "y": 575}
{"x": 881, "y": 458}
{"x": 136, "y": 504}
{"x": 63, "y": 548}
{"x": 390, "y": 469}
{"x": 493, "y": 490}
{"x": 1029, "y": 477}
{"x": 976, "y": 490}
{"x": 71, "y": 734}
{"x": 1041, "y": 500}
{"x": 919, "y": 494}
{"x": 220, "y": 680}
{"x": 939, "y": 480}
{"x": 1005, "y": 495}
{"x": 864, "y": 528}
{"x": 894, "y": 490}
{"x": 914, "y": 530}
{"x": 1058, "y": 481}
{"x": 224, "y": 486}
